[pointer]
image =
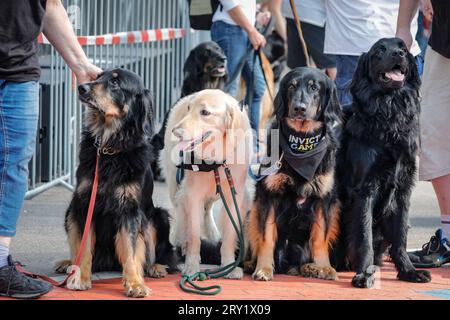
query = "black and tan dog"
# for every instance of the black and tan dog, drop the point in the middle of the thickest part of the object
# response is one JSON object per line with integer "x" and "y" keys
{"x": 378, "y": 162}
{"x": 128, "y": 233}
{"x": 295, "y": 215}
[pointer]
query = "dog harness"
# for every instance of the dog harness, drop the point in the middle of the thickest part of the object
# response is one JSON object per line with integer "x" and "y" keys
{"x": 194, "y": 164}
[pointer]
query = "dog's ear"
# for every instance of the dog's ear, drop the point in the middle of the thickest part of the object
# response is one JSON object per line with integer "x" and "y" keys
{"x": 361, "y": 73}
{"x": 191, "y": 66}
{"x": 233, "y": 118}
{"x": 332, "y": 112}
{"x": 413, "y": 76}
{"x": 144, "y": 112}
{"x": 279, "y": 109}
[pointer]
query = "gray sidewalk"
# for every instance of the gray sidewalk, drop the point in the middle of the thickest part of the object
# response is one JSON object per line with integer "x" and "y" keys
{"x": 41, "y": 240}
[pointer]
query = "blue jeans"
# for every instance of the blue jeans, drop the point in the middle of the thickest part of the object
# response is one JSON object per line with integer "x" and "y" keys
{"x": 346, "y": 66}
{"x": 19, "y": 111}
{"x": 234, "y": 42}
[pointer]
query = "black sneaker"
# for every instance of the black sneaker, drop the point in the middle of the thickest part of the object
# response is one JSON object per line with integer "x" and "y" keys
{"x": 15, "y": 284}
{"x": 434, "y": 254}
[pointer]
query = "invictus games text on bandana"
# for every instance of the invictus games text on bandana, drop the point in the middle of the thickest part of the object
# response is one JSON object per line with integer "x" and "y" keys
{"x": 303, "y": 144}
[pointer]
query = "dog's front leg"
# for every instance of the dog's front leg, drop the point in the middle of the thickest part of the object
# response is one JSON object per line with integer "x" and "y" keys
{"x": 398, "y": 234}
{"x": 81, "y": 279}
{"x": 262, "y": 242}
{"x": 360, "y": 239}
{"x": 130, "y": 249}
{"x": 320, "y": 241}
{"x": 193, "y": 211}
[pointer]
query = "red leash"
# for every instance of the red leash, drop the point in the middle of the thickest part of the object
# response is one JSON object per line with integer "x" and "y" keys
{"x": 84, "y": 239}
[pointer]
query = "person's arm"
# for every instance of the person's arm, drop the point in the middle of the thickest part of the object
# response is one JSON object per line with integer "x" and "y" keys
{"x": 406, "y": 13}
{"x": 237, "y": 14}
{"x": 280, "y": 25}
{"x": 59, "y": 32}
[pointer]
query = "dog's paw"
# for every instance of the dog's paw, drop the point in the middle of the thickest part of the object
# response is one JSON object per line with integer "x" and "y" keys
{"x": 363, "y": 280}
{"x": 312, "y": 270}
{"x": 157, "y": 271}
{"x": 75, "y": 282}
{"x": 420, "y": 276}
{"x": 293, "y": 271}
{"x": 263, "y": 274}
{"x": 249, "y": 266}
{"x": 136, "y": 290}
{"x": 237, "y": 273}
{"x": 190, "y": 269}
{"x": 62, "y": 266}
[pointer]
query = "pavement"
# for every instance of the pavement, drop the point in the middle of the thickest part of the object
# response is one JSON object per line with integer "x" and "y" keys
{"x": 41, "y": 241}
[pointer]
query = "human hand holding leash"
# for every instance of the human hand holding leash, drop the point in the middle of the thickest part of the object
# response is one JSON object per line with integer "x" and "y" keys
{"x": 256, "y": 39}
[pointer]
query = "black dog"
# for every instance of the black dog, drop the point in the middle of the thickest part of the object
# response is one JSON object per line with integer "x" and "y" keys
{"x": 378, "y": 161}
{"x": 128, "y": 232}
{"x": 295, "y": 215}
{"x": 204, "y": 68}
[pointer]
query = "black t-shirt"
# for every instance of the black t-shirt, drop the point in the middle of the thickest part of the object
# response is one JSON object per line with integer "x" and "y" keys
{"x": 20, "y": 25}
{"x": 440, "y": 30}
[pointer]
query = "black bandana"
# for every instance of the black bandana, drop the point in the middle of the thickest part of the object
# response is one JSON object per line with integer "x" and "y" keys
{"x": 303, "y": 151}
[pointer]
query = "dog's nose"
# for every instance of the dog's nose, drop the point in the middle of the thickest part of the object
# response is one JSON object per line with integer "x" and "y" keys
{"x": 300, "y": 108}
{"x": 83, "y": 89}
{"x": 178, "y": 132}
{"x": 398, "y": 52}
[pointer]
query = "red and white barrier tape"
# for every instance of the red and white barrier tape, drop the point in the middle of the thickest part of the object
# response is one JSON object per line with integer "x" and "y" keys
{"x": 130, "y": 37}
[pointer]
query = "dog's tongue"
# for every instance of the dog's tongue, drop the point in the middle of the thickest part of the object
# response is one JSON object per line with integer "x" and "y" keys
{"x": 221, "y": 69}
{"x": 395, "y": 75}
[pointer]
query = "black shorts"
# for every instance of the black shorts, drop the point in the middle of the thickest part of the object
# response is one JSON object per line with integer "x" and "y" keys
{"x": 314, "y": 38}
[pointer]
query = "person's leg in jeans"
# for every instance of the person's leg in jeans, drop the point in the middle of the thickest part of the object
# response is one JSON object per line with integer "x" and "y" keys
{"x": 252, "y": 72}
{"x": 234, "y": 42}
{"x": 346, "y": 66}
{"x": 19, "y": 109}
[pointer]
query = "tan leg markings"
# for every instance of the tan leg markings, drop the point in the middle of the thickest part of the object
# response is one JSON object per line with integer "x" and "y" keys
{"x": 263, "y": 245}
{"x": 320, "y": 242}
{"x": 132, "y": 261}
{"x": 81, "y": 280}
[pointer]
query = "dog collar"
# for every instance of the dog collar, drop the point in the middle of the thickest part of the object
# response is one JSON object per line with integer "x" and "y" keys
{"x": 189, "y": 162}
{"x": 104, "y": 150}
{"x": 303, "y": 153}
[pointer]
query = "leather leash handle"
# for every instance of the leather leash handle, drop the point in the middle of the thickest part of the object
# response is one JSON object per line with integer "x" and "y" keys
{"x": 85, "y": 237}
{"x": 300, "y": 32}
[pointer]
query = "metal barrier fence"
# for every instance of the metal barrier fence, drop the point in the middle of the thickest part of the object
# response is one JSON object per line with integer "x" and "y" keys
{"x": 154, "y": 51}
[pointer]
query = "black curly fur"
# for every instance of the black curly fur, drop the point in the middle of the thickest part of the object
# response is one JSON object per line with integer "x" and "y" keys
{"x": 377, "y": 163}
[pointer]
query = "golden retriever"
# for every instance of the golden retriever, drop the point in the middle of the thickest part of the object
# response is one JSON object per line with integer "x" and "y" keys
{"x": 210, "y": 125}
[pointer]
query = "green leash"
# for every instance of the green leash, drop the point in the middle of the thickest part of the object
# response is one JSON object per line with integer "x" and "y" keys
{"x": 221, "y": 271}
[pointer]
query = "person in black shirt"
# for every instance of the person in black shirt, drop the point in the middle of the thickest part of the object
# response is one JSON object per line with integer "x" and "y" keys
{"x": 21, "y": 21}
{"x": 434, "y": 162}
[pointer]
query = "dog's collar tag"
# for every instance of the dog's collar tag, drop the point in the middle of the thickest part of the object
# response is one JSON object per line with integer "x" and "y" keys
{"x": 273, "y": 168}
